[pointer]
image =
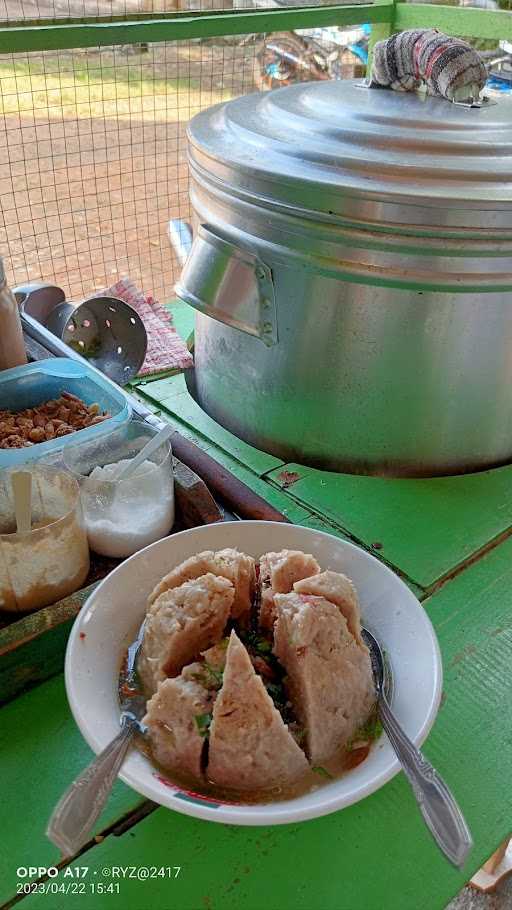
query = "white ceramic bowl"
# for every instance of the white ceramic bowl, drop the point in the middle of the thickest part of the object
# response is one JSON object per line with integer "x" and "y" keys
{"x": 109, "y": 621}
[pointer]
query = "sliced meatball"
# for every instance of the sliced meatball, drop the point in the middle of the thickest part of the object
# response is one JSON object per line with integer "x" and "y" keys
{"x": 183, "y": 622}
{"x": 238, "y": 568}
{"x": 210, "y": 668}
{"x": 339, "y": 590}
{"x": 278, "y": 574}
{"x": 175, "y": 721}
{"x": 250, "y": 745}
{"x": 216, "y": 656}
{"x": 329, "y": 676}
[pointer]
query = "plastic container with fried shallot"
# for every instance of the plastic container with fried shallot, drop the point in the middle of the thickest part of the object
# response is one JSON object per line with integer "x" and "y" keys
{"x": 32, "y": 384}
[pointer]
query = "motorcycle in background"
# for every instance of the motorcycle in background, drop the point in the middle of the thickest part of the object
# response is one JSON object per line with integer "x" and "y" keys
{"x": 311, "y": 54}
{"x": 500, "y": 69}
{"x": 342, "y": 53}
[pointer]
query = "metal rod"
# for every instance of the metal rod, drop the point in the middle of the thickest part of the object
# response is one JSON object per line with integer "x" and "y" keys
{"x": 180, "y": 237}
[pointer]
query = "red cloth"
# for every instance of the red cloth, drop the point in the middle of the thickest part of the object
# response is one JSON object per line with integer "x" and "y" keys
{"x": 166, "y": 350}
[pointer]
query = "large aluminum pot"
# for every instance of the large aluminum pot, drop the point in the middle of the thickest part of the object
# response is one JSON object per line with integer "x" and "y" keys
{"x": 352, "y": 270}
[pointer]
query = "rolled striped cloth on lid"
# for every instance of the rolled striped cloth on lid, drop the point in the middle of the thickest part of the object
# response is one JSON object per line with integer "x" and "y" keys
{"x": 447, "y": 66}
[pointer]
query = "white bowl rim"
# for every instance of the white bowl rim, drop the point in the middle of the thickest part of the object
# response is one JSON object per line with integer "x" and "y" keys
{"x": 261, "y": 813}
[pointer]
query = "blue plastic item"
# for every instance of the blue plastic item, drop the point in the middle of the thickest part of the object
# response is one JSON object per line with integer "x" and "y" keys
{"x": 32, "y": 384}
{"x": 360, "y": 52}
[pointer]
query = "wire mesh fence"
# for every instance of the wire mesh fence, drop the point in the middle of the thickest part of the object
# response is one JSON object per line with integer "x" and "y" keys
{"x": 93, "y": 143}
{"x": 11, "y": 10}
{"x": 93, "y": 153}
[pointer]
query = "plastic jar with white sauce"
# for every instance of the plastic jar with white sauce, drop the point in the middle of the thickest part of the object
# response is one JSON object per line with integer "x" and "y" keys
{"x": 123, "y": 516}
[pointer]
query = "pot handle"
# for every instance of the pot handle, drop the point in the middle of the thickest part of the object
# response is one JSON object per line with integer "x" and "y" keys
{"x": 230, "y": 284}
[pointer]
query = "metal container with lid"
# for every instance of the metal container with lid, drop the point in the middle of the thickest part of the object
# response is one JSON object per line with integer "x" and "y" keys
{"x": 354, "y": 248}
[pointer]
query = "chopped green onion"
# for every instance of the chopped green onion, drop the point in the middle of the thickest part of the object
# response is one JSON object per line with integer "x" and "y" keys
{"x": 258, "y": 642}
{"x": 369, "y": 732}
{"x": 323, "y": 771}
{"x": 275, "y": 691}
{"x": 203, "y": 722}
{"x": 372, "y": 729}
{"x": 198, "y": 677}
{"x": 217, "y": 675}
{"x": 264, "y": 646}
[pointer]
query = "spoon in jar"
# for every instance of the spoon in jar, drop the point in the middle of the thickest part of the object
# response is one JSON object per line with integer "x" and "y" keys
{"x": 22, "y": 494}
{"x": 440, "y": 812}
{"x": 81, "y": 805}
{"x": 154, "y": 443}
{"x": 109, "y": 492}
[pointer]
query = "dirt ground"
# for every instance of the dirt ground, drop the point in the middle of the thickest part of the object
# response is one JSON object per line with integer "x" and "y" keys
{"x": 87, "y": 189}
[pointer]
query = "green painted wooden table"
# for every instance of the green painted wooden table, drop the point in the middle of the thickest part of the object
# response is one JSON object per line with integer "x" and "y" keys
{"x": 450, "y": 540}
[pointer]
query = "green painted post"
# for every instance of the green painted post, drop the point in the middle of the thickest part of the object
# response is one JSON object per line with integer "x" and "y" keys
{"x": 381, "y": 30}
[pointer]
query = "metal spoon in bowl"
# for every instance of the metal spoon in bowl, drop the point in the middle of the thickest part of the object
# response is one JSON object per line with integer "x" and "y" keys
{"x": 82, "y": 803}
{"x": 441, "y": 813}
{"x": 77, "y": 810}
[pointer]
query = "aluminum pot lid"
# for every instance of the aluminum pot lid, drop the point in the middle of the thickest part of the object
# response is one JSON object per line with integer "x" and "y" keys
{"x": 317, "y": 146}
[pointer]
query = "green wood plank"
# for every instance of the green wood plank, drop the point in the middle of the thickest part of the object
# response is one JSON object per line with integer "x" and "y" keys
{"x": 294, "y": 511}
{"x": 183, "y": 317}
{"x": 380, "y": 32}
{"x": 155, "y": 388}
{"x": 478, "y": 23}
{"x": 33, "y": 661}
{"x": 376, "y": 855}
{"x": 425, "y": 527}
{"x": 39, "y": 35}
{"x": 41, "y": 752}
{"x": 173, "y": 396}
{"x": 183, "y": 320}
{"x": 32, "y": 648}
{"x": 156, "y": 407}
{"x": 319, "y": 524}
